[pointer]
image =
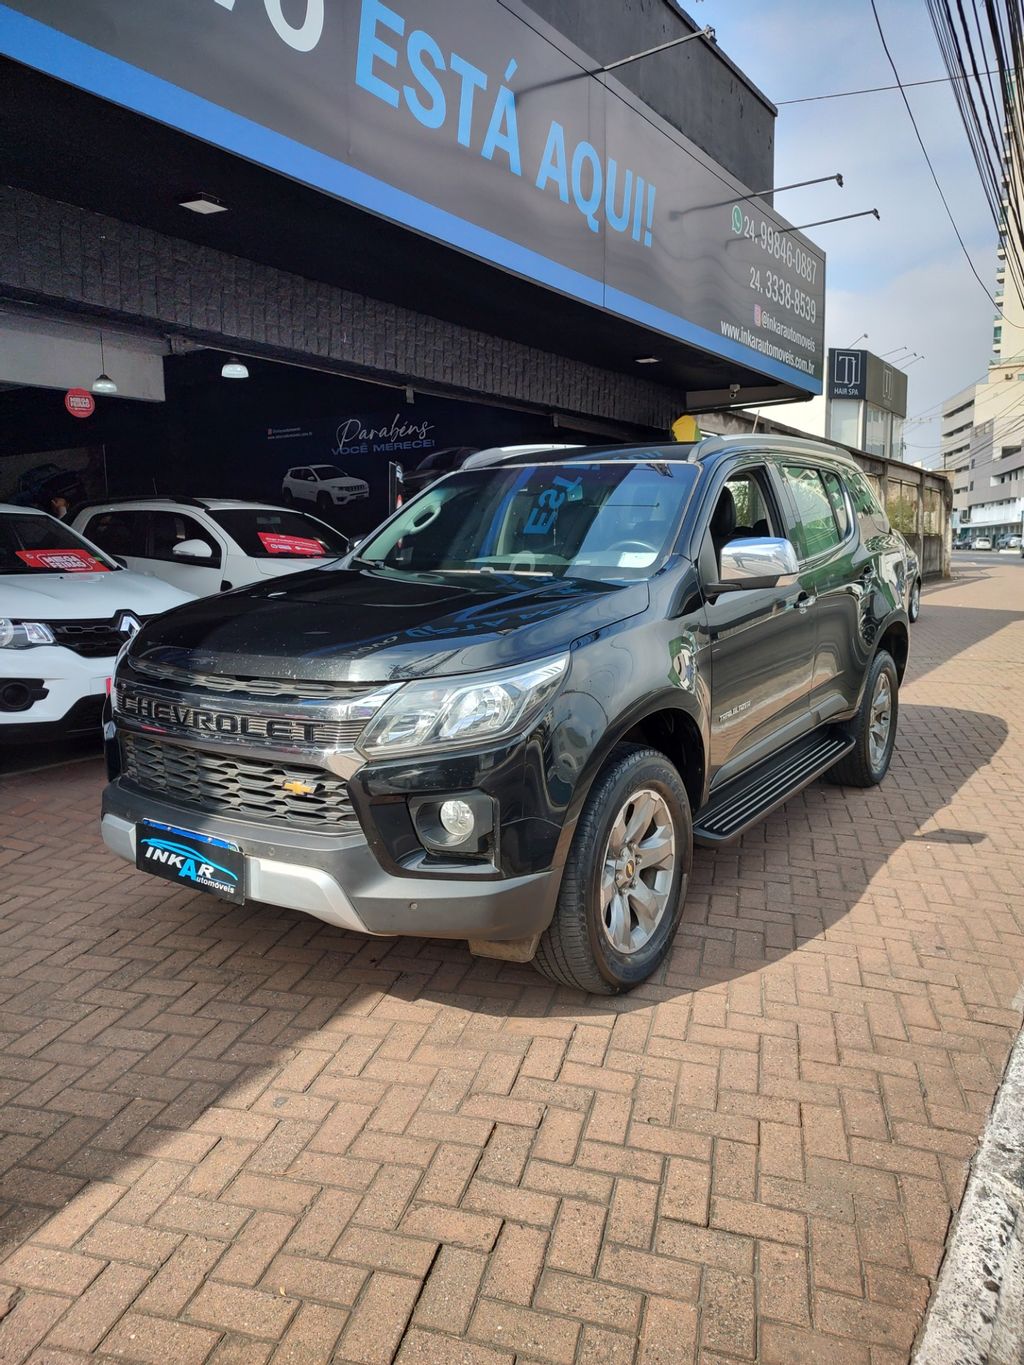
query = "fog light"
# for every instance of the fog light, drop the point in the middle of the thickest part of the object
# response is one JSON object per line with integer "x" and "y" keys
{"x": 457, "y": 818}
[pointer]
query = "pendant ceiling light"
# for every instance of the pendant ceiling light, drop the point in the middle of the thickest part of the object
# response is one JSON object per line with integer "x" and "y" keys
{"x": 103, "y": 382}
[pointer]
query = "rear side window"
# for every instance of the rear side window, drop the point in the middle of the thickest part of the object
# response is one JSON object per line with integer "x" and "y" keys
{"x": 266, "y": 532}
{"x": 119, "y": 533}
{"x": 837, "y": 498}
{"x": 870, "y": 517}
{"x": 816, "y": 528}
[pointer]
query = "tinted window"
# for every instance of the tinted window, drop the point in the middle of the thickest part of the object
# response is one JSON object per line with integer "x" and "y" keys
{"x": 613, "y": 520}
{"x": 837, "y": 498}
{"x": 119, "y": 533}
{"x": 268, "y": 533}
{"x": 816, "y": 531}
{"x": 328, "y": 471}
{"x": 870, "y": 517}
{"x": 34, "y": 544}
{"x": 168, "y": 529}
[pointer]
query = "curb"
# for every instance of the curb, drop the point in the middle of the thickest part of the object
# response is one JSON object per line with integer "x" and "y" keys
{"x": 976, "y": 1314}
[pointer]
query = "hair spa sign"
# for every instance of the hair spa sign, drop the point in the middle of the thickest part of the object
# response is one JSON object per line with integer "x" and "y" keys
{"x": 476, "y": 123}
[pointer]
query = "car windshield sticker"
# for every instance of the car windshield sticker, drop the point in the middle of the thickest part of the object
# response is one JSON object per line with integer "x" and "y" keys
{"x": 62, "y": 561}
{"x": 543, "y": 517}
{"x": 277, "y": 544}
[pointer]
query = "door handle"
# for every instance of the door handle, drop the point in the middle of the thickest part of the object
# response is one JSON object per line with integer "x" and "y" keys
{"x": 805, "y": 600}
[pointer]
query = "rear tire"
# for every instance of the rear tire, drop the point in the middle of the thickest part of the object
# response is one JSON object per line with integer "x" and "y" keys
{"x": 914, "y": 606}
{"x": 874, "y": 728}
{"x": 616, "y": 918}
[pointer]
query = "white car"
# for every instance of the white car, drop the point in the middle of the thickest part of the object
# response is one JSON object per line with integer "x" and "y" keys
{"x": 207, "y": 545}
{"x": 322, "y": 485}
{"x": 66, "y": 609}
{"x": 981, "y": 543}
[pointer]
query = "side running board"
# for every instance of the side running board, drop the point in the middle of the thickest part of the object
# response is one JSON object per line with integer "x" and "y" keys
{"x": 750, "y": 797}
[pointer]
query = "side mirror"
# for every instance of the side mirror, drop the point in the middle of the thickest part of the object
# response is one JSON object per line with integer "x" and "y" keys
{"x": 120, "y": 559}
{"x": 192, "y": 549}
{"x": 757, "y": 562}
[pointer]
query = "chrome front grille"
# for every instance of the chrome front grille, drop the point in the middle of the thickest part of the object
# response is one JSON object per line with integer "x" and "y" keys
{"x": 241, "y": 788}
{"x": 227, "y": 684}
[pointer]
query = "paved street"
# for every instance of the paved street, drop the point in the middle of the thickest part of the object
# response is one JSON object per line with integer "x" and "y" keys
{"x": 235, "y": 1135}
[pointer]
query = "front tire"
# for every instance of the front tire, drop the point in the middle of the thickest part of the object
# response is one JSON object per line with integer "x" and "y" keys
{"x": 874, "y": 728}
{"x": 625, "y": 879}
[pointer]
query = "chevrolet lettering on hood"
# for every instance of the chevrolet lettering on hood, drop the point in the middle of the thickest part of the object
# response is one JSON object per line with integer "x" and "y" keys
{"x": 188, "y": 719}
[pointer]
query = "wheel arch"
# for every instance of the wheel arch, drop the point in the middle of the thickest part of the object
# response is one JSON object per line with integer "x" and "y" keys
{"x": 670, "y": 722}
{"x": 895, "y": 640}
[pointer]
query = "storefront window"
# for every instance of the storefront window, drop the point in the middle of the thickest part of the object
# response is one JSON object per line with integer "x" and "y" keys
{"x": 876, "y": 437}
{"x": 844, "y": 421}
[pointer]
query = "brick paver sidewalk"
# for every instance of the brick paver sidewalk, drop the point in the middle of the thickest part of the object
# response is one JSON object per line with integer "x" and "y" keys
{"x": 239, "y": 1136}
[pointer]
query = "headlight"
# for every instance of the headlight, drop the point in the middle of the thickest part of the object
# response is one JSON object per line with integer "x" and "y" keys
{"x": 23, "y": 634}
{"x": 462, "y": 711}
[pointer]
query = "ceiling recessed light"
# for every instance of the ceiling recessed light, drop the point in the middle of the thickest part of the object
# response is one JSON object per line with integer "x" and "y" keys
{"x": 648, "y": 360}
{"x": 204, "y": 203}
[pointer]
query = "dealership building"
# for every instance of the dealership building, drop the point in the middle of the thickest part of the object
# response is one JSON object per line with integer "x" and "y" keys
{"x": 356, "y": 233}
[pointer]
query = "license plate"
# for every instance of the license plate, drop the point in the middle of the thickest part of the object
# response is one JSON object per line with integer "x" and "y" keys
{"x": 198, "y": 861}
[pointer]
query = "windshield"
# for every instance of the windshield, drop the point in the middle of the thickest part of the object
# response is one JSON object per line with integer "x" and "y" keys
{"x": 31, "y": 543}
{"x": 611, "y": 520}
{"x": 329, "y": 471}
{"x": 266, "y": 533}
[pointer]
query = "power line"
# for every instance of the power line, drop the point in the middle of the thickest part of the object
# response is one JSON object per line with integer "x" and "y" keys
{"x": 928, "y": 160}
{"x": 877, "y": 89}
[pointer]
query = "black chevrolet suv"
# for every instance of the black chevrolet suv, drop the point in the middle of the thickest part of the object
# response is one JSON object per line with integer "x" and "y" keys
{"x": 508, "y": 714}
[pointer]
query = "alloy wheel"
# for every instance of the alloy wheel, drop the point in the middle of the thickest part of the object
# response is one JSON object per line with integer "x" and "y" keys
{"x": 638, "y": 871}
{"x": 880, "y": 721}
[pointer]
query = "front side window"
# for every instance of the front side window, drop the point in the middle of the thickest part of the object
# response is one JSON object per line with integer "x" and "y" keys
{"x": 611, "y": 520}
{"x": 816, "y": 530}
{"x": 31, "y": 543}
{"x": 168, "y": 529}
{"x": 323, "y": 472}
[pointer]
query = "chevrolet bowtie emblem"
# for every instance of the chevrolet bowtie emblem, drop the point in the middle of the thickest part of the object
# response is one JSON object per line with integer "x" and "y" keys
{"x": 297, "y": 787}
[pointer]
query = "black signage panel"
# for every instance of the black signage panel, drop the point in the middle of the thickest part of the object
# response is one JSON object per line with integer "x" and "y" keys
{"x": 475, "y": 123}
{"x": 859, "y": 374}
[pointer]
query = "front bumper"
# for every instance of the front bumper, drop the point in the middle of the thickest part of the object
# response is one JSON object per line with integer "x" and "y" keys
{"x": 74, "y": 689}
{"x": 339, "y": 880}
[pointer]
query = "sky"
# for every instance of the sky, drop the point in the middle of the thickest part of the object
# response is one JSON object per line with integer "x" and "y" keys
{"x": 903, "y": 280}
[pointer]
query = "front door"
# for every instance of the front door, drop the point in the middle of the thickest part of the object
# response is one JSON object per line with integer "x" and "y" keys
{"x": 762, "y": 639}
{"x": 200, "y": 575}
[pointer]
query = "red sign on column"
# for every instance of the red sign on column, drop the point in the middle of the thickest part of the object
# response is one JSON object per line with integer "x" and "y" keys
{"x": 80, "y": 402}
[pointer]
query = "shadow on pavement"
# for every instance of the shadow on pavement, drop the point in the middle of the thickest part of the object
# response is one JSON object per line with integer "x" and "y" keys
{"x": 154, "y": 1041}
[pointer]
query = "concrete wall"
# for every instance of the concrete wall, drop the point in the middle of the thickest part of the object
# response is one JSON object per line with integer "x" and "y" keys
{"x": 102, "y": 267}
{"x": 694, "y": 87}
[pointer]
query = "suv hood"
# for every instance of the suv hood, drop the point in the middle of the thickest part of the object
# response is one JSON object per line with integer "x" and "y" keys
{"x": 368, "y": 625}
{"x": 86, "y": 596}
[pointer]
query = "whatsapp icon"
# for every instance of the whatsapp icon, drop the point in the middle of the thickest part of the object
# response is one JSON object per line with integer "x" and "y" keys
{"x": 737, "y": 218}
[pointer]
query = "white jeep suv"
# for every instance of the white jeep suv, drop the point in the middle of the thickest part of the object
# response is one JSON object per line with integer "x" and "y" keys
{"x": 322, "y": 485}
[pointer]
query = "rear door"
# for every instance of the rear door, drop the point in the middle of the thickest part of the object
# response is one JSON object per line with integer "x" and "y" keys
{"x": 762, "y": 639}
{"x": 833, "y": 570}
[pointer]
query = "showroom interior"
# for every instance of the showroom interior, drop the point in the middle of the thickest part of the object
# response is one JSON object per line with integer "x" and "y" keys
{"x": 141, "y": 243}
